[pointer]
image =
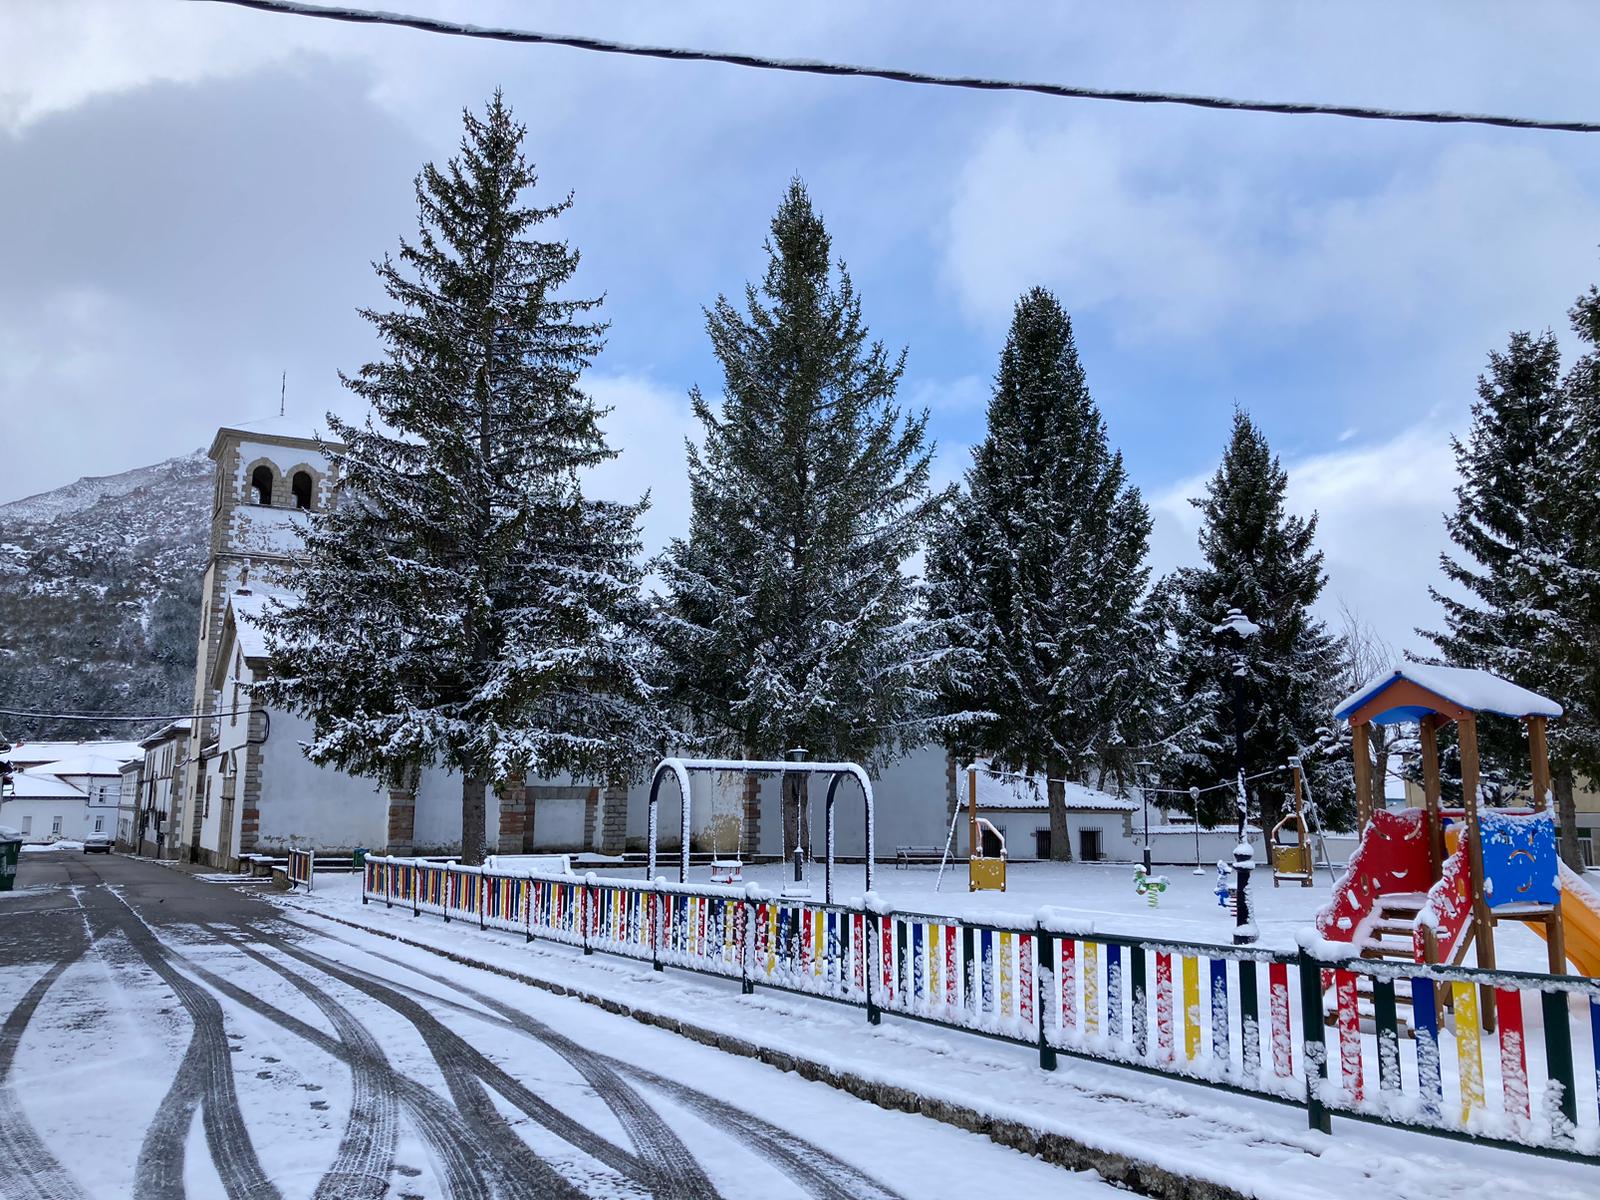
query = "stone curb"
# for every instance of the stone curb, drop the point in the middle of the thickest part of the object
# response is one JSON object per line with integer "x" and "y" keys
{"x": 1058, "y": 1149}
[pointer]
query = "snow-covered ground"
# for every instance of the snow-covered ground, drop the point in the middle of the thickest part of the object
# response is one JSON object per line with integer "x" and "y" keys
{"x": 1098, "y": 894}
{"x": 153, "y": 1052}
{"x": 1257, "y": 1146}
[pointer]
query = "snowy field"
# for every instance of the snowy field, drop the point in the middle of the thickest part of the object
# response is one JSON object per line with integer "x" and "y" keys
{"x": 1100, "y": 894}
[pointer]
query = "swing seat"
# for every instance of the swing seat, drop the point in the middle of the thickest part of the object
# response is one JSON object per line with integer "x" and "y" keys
{"x": 727, "y": 871}
{"x": 1290, "y": 846}
{"x": 1291, "y": 861}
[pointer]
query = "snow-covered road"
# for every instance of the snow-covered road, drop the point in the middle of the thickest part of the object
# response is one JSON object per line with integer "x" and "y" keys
{"x": 163, "y": 1036}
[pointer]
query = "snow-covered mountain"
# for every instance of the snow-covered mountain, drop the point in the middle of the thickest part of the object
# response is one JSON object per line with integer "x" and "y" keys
{"x": 100, "y": 596}
{"x": 85, "y": 493}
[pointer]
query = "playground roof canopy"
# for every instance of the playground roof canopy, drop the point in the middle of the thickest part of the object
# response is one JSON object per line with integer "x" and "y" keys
{"x": 1464, "y": 687}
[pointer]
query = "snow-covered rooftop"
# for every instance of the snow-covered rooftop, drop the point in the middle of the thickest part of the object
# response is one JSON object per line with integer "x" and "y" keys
{"x": 273, "y": 428}
{"x": 83, "y": 764}
{"x": 40, "y": 785}
{"x": 1468, "y": 687}
{"x": 247, "y": 609}
{"x": 1010, "y": 791}
{"x": 31, "y": 754}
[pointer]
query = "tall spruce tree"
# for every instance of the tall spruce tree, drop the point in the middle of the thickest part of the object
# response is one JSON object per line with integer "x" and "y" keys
{"x": 1573, "y": 639}
{"x": 1528, "y": 567}
{"x": 790, "y": 619}
{"x": 1262, "y": 560}
{"x": 463, "y": 602}
{"x": 1041, "y": 569}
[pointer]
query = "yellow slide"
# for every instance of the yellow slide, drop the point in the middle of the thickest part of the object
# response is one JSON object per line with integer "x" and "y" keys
{"x": 1580, "y": 921}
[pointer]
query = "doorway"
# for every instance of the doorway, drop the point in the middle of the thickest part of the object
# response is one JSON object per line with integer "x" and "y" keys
{"x": 1090, "y": 848}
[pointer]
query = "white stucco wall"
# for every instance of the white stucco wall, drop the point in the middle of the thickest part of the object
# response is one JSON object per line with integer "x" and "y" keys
{"x": 438, "y": 814}
{"x": 302, "y": 803}
{"x": 35, "y": 817}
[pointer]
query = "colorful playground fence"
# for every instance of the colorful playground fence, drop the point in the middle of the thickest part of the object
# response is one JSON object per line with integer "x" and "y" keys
{"x": 1388, "y": 1042}
{"x": 302, "y": 868}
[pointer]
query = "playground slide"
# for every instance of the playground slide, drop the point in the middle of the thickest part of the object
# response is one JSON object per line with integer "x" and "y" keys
{"x": 1580, "y": 920}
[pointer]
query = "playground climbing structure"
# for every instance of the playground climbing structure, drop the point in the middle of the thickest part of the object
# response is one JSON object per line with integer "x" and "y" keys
{"x": 1426, "y": 885}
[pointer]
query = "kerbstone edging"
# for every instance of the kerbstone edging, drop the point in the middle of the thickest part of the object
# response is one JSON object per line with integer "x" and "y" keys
{"x": 1055, "y": 1148}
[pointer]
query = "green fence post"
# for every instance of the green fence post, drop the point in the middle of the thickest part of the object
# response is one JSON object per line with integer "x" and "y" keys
{"x": 653, "y": 915}
{"x": 1383, "y": 1012}
{"x": 1314, "y": 1044}
{"x": 1558, "y": 1049}
{"x": 1249, "y": 1020}
{"x": 1140, "y": 990}
{"x": 874, "y": 969}
{"x": 583, "y": 915}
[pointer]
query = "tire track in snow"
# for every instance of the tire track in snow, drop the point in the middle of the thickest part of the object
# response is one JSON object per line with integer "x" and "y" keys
{"x": 365, "y": 1158}
{"x": 204, "y": 1080}
{"x": 28, "y": 1171}
{"x": 678, "y": 1175}
{"x": 465, "y": 1071}
{"x": 822, "y": 1174}
{"x": 458, "y": 1152}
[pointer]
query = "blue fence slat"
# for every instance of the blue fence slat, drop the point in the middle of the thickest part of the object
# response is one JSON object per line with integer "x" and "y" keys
{"x": 1221, "y": 1049}
{"x": 1114, "y": 992}
{"x": 1430, "y": 1084}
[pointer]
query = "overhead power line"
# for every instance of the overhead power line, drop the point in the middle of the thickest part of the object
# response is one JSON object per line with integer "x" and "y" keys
{"x": 97, "y": 717}
{"x": 806, "y": 66}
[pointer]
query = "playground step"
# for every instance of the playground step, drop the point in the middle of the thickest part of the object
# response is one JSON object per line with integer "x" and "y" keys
{"x": 1375, "y": 948}
{"x": 1413, "y": 900}
{"x": 1388, "y": 924}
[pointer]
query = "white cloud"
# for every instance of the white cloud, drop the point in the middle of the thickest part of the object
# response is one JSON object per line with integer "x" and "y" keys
{"x": 1191, "y": 240}
{"x": 648, "y": 425}
{"x": 1380, "y": 526}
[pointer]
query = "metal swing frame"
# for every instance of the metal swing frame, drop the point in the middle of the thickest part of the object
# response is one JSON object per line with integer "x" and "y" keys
{"x": 682, "y": 768}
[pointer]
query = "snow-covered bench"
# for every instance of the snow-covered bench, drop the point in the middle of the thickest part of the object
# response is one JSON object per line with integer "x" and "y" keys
{"x": 912, "y": 856}
{"x": 529, "y": 864}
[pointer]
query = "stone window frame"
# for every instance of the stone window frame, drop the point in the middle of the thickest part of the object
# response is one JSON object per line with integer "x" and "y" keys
{"x": 275, "y": 495}
{"x": 316, "y": 477}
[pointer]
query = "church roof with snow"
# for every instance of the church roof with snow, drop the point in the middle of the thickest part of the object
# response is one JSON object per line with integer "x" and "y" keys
{"x": 1465, "y": 687}
{"x": 247, "y": 611}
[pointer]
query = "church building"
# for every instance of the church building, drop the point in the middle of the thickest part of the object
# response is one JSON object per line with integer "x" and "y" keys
{"x": 246, "y": 786}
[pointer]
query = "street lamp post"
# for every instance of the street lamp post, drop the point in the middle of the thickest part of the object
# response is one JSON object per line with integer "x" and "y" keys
{"x": 1144, "y": 769}
{"x": 1244, "y": 855}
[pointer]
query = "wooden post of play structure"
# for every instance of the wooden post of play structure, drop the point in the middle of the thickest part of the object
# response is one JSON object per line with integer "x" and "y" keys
{"x": 1363, "y": 769}
{"x": 1467, "y": 730}
{"x": 1539, "y": 760}
{"x": 1539, "y": 754}
{"x": 1429, "y": 737}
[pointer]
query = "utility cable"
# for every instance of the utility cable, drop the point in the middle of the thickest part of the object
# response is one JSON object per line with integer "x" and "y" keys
{"x": 806, "y": 66}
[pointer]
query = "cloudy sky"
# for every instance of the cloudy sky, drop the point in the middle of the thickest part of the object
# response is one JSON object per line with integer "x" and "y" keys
{"x": 191, "y": 196}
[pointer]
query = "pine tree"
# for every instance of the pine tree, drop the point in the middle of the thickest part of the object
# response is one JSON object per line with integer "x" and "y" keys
{"x": 1041, "y": 567}
{"x": 1529, "y": 561}
{"x": 1262, "y": 560}
{"x": 1573, "y": 641}
{"x": 463, "y": 603}
{"x": 790, "y": 618}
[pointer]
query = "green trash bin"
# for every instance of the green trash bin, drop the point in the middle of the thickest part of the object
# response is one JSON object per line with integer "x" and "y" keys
{"x": 10, "y": 851}
{"x": 359, "y": 858}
